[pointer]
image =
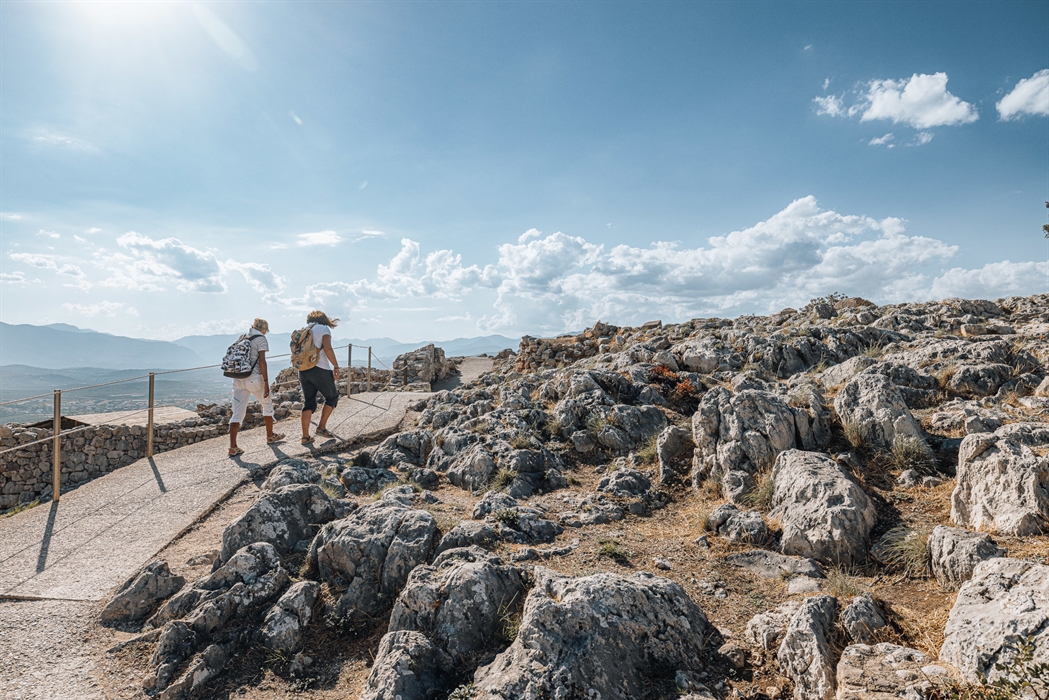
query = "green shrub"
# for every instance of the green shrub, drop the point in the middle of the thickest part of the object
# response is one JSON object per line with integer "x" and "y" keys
{"x": 463, "y": 692}
{"x": 613, "y": 550}
{"x": 648, "y": 454}
{"x": 508, "y": 517}
{"x": 911, "y": 453}
{"x": 502, "y": 480}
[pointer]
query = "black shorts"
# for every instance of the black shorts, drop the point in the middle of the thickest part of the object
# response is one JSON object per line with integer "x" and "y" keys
{"x": 316, "y": 380}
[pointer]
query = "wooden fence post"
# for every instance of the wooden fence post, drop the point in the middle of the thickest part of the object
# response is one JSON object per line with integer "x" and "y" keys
{"x": 56, "y": 461}
{"x": 149, "y": 438}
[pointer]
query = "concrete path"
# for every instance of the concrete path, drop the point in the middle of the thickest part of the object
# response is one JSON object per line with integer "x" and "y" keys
{"x": 101, "y": 533}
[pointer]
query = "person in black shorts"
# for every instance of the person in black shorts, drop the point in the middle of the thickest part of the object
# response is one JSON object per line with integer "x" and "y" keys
{"x": 320, "y": 379}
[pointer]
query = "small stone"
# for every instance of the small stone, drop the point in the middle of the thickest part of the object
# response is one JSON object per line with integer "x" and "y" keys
{"x": 663, "y": 564}
{"x": 734, "y": 653}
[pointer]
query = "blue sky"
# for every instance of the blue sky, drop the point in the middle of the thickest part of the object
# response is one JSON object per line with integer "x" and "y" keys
{"x": 441, "y": 169}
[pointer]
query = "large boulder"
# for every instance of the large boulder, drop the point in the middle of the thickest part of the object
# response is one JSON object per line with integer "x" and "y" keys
{"x": 372, "y": 552}
{"x": 1002, "y": 485}
{"x": 885, "y": 672}
{"x": 139, "y": 595}
{"x": 738, "y": 526}
{"x": 472, "y": 469}
{"x": 954, "y": 554}
{"x": 408, "y": 666}
{"x": 765, "y": 630}
{"x": 362, "y": 480}
{"x": 283, "y": 518}
{"x": 598, "y": 636}
{"x": 285, "y": 622}
{"x": 824, "y": 514}
{"x": 462, "y": 602}
{"x": 872, "y": 403}
{"x": 672, "y": 442}
{"x": 738, "y": 435}
{"x": 626, "y": 483}
{"x": 862, "y": 618}
{"x": 411, "y": 448}
{"x": 290, "y": 471}
{"x": 918, "y": 389}
{"x": 975, "y": 381}
{"x": 1005, "y": 601}
{"x": 806, "y": 654}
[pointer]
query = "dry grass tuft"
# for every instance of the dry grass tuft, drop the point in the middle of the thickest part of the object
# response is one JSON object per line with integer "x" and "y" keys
{"x": 647, "y": 454}
{"x": 912, "y": 453}
{"x": 857, "y": 435}
{"x": 502, "y": 480}
{"x": 760, "y": 496}
{"x": 843, "y": 583}
{"x": 905, "y": 549}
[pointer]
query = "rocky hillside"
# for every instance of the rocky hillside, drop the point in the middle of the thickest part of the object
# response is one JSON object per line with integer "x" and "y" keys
{"x": 846, "y": 501}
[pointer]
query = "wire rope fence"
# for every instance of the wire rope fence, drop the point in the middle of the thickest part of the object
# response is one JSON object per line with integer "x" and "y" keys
{"x": 62, "y": 428}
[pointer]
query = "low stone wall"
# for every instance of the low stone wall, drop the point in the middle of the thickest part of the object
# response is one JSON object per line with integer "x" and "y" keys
{"x": 25, "y": 474}
{"x": 537, "y": 353}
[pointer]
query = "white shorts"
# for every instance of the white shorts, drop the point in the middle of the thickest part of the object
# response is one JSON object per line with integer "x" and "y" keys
{"x": 242, "y": 391}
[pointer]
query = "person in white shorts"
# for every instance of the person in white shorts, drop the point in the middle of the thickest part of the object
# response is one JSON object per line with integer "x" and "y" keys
{"x": 258, "y": 384}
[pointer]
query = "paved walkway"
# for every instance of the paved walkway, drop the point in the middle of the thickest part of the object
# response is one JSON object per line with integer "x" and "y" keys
{"x": 101, "y": 533}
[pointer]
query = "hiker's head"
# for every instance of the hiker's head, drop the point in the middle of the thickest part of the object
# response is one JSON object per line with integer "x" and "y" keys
{"x": 322, "y": 318}
{"x": 261, "y": 326}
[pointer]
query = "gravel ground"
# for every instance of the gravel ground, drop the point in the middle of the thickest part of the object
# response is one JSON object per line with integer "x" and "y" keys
{"x": 44, "y": 652}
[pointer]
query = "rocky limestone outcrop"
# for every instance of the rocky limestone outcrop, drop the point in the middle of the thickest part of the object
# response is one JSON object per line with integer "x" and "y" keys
{"x": 738, "y": 526}
{"x": 1002, "y": 485}
{"x": 284, "y": 623}
{"x": 603, "y": 633}
{"x": 1005, "y": 601}
{"x": 372, "y": 552}
{"x": 824, "y": 514}
{"x": 738, "y": 435}
{"x": 872, "y": 403}
{"x": 426, "y": 364}
{"x": 954, "y": 553}
{"x": 862, "y": 618}
{"x": 140, "y": 594}
{"x": 766, "y": 629}
{"x": 806, "y": 654}
{"x": 290, "y": 471}
{"x": 460, "y": 602}
{"x": 284, "y": 518}
{"x": 885, "y": 672}
{"x": 408, "y": 666}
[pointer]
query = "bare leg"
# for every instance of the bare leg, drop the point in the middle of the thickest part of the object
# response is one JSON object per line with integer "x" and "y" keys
{"x": 233, "y": 428}
{"x": 306, "y": 416}
{"x": 325, "y": 412}
{"x": 268, "y": 420}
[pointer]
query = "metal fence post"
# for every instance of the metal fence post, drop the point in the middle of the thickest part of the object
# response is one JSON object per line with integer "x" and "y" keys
{"x": 349, "y": 369}
{"x": 149, "y": 439}
{"x": 56, "y": 462}
{"x": 369, "y": 368}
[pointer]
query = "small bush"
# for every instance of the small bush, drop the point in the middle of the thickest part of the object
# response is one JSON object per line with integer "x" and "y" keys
{"x": 663, "y": 372}
{"x": 874, "y": 352}
{"x": 857, "y": 435}
{"x": 647, "y": 454}
{"x": 554, "y": 427}
{"x": 906, "y": 549}
{"x": 521, "y": 441}
{"x": 508, "y": 623}
{"x": 841, "y": 583}
{"x": 508, "y": 517}
{"x": 478, "y": 427}
{"x": 684, "y": 389}
{"x": 463, "y": 692}
{"x": 760, "y": 496}
{"x": 330, "y": 490}
{"x": 911, "y": 453}
{"x": 944, "y": 374}
{"x": 502, "y": 480}
{"x": 596, "y": 423}
{"x": 613, "y": 550}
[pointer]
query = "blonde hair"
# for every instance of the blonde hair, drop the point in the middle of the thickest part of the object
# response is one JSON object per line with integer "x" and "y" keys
{"x": 260, "y": 325}
{"x": 321, "y": 318}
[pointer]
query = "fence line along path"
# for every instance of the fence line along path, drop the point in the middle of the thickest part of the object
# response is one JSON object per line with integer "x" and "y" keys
{"x": 88, "y": 543}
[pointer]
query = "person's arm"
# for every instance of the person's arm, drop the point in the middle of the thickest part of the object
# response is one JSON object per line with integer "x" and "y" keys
{"x": 326, "y": 345}
{"x": 265, "y": 373}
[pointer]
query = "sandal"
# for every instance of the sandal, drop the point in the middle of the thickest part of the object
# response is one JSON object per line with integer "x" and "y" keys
{"x": 324, "y": 432}
{"x": 235, "y": 451}
{"x": 276, "y": 437}
{"x": 307, "y": 440}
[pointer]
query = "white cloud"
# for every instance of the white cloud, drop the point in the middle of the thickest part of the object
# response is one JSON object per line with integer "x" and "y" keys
{"x": 78, "y": 239}
{"x": 808, "y": 47}
{"x": 93, "y": 230}
{"x": 1030, "y": 96}
{"x": 49, "y": 234}
{"x": 922, "y": 138}
{"x": 922, "y": 101}
{"x": 7, "y": 216}
{"x": 318, "y": 238}
{"x": 150, "y": 263}
{"x": 885, "y": 140}
{"x": 103, "y": 308}
{"x": 259, "y": 276}
{"x": 17, "y": 277}
{"x": 53, "y": 138}
{"x": 826, "y": 83}
{"x": 991, "y": 281}
{"x": 46, "y": 262}
{"x": 362, "y": 185}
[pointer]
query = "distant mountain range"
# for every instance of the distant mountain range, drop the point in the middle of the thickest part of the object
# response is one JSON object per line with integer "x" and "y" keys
{"x": 62, "y": 346}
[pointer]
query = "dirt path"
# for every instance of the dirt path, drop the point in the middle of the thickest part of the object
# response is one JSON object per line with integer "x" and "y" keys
{"x": 470, "y": 369}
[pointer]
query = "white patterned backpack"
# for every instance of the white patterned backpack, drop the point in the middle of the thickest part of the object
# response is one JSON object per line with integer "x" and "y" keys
{"x": 237, "y": 363}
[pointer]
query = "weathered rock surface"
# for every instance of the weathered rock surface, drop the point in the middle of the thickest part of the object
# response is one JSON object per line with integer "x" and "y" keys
{"x": 283, "y": 518}
{"x": 885, "y": 672}
{"x": 290, "y": 471}
{"x": 862, "y": 618}
{"x": 625, "y": 483}
{"x": 774, "y": 565}
{"x": 1002, "y": 485}
{"x": 736, "y": 436}
{"x": 372, "y": 551}
{"x": 738, "y": 526}
{"x": 671, "y": 443}
{"x": 408, "y": 666}
{"x": 824, "y": 514}
{"x": 806, "y": 654}
{"x": 954, "y": 553}
{"x": 138, "y": 596}
{"x": 284, "y": 623}
{"x": 766, "y": 630}
{"x": 1005, "y": 601}
{"x": 603, "y": 633}
{"x": 467, "y": 533}
{"x": 975, "y": 381}
{"x": 873, "y": 403}
{"x": 362, "y": 480}
{"x": 460, "y": 602}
